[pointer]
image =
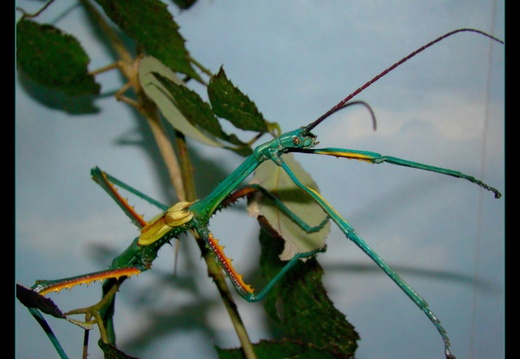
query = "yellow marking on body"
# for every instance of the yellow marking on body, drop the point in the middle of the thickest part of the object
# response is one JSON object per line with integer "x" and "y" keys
{"x": 87, "y": 279}
{"x": 350, "y": 155}
{"x": 175, "y": 216}
{"x": 236, "y": 278}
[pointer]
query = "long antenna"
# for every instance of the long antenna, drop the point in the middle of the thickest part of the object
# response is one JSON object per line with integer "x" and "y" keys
{"x": 343, "y": 102}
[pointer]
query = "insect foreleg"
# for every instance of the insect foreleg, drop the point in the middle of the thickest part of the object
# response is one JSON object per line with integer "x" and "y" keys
{"x": 377, "y": 158}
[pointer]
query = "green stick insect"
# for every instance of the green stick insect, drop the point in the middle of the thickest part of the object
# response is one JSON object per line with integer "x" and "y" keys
{"x": 195, "y": 216}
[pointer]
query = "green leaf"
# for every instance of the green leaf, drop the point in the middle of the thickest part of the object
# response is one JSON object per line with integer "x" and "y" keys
{"x": 196, "y": 110}
{"x": 156, "y": 91}
{"x": 230, "y": 103}
{"x": 299, "y": 304}
{"x": 183, "y": 108}
{"x": 53, "y": 59}
{"x": 274, "y": 179}
{"x": 151, "y": 24}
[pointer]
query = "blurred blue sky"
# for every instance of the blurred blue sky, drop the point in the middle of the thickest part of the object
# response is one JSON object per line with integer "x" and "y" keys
{"x": 295, "y": 59}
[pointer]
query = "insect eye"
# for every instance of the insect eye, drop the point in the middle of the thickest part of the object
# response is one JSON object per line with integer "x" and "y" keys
{"x": 296, "y": 141}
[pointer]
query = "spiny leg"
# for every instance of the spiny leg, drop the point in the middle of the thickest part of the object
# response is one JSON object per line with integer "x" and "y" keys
{"x": 351, "y": 234}
{"x": 46, "y": 286}
{"x": 245, "y": 290}
{"x": 126, "y": 264}
{"x": 377, "y": 158}
{"x": 108, "y": 183}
